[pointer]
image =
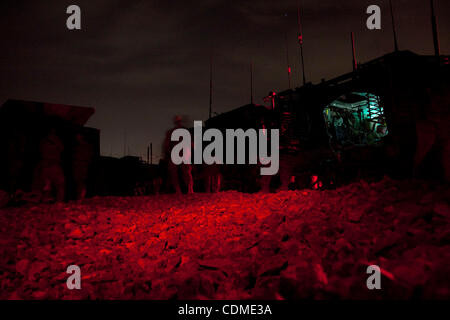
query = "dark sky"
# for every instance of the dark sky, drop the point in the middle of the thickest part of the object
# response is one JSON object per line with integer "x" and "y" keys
{"x": 141, "y": 62}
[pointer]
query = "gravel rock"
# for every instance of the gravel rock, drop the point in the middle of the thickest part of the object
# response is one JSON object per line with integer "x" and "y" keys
{"x": 286, "y": 245}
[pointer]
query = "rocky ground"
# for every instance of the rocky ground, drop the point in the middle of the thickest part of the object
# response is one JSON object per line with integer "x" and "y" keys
{"x": 287, "y": 245}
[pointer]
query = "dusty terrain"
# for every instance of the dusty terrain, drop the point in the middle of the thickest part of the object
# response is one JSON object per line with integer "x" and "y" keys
{"x": 288, "y": 245}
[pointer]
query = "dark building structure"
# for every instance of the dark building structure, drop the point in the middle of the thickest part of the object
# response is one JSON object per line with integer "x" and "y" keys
{"x": 23, "y": 125}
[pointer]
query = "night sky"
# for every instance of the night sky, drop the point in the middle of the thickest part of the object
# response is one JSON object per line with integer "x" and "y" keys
{"x": 138, "y": 63}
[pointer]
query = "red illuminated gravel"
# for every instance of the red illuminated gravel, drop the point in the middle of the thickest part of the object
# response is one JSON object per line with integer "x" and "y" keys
{"x": 288, "y": 245}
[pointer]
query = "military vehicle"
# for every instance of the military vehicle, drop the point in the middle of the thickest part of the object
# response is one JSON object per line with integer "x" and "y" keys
{"x": 361, "y": 125}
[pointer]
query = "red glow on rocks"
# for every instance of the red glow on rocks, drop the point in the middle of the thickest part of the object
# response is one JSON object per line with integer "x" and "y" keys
{"x": 288, "y": 245}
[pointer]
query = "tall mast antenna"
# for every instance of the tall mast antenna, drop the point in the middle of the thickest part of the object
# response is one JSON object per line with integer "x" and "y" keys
{"x": 394, "y": 31}
{"x": 151, "y": 153}
{"x": 287, "y": 61}
{"x": 251, "y": 82}
{"x": 300, "y": 42}
{"x": 124, "y": 142}
{"x": 210, "y": 82}
{"x": 437, "y": 50}
{"x": 355, "y": 62}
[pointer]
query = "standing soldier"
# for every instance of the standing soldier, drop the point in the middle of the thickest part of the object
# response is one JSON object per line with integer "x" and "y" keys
{"x": 16, "y": 156}
{"x": 172, "y": 169}
{"x": 433, "y": 130}
{"x": 49, "y": 175}
{"x": 81, "y": 160}
{"x": 212, "y": 178}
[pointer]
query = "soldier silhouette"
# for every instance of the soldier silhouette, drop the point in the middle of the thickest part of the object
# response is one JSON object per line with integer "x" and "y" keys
{"x": 49, "y": 176}
{"x": 81, "y": 159}
{"x": 173, "y": 169}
